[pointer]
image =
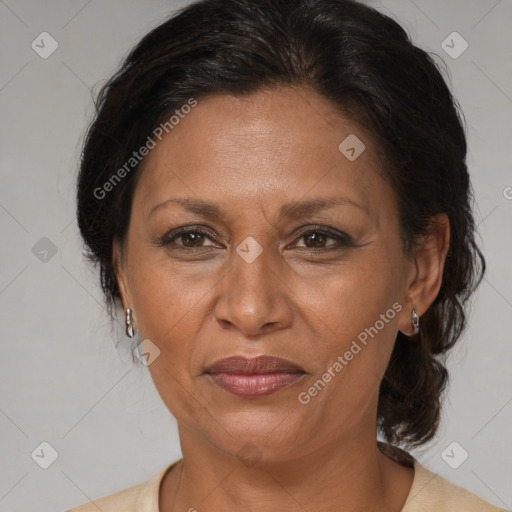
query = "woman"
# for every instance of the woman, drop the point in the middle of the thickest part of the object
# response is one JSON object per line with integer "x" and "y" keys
{"x": 277, "y": 196}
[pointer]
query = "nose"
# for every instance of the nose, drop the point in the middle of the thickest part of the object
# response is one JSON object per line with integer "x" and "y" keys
{"x": 253, "y": 298}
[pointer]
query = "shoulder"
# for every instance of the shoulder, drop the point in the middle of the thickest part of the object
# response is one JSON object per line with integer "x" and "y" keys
{"x": 122, "y": 501}
{"x": 430, "y": 491}
{"x": 139, "y": 498}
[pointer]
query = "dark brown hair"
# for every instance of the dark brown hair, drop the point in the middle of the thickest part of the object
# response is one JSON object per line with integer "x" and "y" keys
{"x": 366, "y": 65}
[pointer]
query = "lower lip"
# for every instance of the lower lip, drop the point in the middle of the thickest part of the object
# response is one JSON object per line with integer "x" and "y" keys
{"x": 256, "y": 385}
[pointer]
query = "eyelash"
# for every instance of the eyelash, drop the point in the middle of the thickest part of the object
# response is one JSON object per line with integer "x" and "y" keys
{"x": 343, "y": 240}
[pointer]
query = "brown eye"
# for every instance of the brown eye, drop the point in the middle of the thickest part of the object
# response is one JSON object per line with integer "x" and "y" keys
{"x": 187, "y": 239}
{"x": 315, "y": 239}
{"x": 191, "y": 239}
{"x": 324, "y": 239}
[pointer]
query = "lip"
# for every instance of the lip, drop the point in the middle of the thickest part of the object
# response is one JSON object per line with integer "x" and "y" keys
{"x": 254, "y": 377}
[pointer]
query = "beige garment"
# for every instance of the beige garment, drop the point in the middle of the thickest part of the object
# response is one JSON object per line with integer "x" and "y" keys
{"x": 429, "y": 493}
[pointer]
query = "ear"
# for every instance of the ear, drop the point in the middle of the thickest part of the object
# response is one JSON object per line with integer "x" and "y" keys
{"x": 119, "y": 263}
{"x": 426, "y": 271}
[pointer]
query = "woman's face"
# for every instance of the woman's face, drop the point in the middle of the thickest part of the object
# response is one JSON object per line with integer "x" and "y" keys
{"x": 298, "y": 256}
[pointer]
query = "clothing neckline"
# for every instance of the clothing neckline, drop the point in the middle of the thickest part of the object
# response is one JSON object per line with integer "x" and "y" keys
{"x": 151, "y": 492}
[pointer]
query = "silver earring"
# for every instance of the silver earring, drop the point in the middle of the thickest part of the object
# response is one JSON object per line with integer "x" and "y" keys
{"x": 415, "y": 321}
{"x": 129, "y": 323}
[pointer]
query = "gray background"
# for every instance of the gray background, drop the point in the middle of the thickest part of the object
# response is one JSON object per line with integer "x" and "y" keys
{"x": 67, "y": 378}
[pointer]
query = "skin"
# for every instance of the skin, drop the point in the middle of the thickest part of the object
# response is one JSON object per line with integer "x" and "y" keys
{"x": 303, "y": 298}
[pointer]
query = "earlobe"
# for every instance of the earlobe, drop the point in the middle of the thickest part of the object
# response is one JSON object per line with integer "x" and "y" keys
{"x": 414, "y": 324}
{"x": 119, "y": 264}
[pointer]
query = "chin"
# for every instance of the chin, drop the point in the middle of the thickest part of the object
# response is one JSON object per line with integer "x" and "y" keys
{"x": 268, "y": 435}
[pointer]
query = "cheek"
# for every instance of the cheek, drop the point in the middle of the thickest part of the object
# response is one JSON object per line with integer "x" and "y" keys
{"x": 170, "y": 316}
{"x": 345, "y": 390}
{"x": 166, "y": 301}
{"x": 354, "y": 315}
{"x": 350, "y": 297}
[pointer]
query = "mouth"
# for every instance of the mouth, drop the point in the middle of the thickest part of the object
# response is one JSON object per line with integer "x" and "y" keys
{"x": 255, "y": 377}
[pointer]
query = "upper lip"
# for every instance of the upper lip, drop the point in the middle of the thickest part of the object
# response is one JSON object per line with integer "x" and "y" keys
{"x": 241, "y": 365}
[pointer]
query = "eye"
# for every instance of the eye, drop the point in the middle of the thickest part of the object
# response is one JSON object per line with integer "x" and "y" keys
{"x": 185, "y": 238}
{"x": 323, "y": 238}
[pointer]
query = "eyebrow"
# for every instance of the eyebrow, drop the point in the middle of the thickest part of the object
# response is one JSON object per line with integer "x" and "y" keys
{"x": 300, "y": 209}
{"x": 294, "y": 209}
{"x": 192, "y": 205}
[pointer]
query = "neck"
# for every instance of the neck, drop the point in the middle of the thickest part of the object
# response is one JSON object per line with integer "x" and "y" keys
{"x": 347, "y": 474}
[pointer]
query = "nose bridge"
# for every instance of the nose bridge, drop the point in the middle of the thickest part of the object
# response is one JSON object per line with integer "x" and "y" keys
{"x": 250, "y": 267}
{"x": 252, "y": 297}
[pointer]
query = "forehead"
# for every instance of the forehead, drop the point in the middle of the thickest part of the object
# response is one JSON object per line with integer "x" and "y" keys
{"x": 284, "y": 140}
